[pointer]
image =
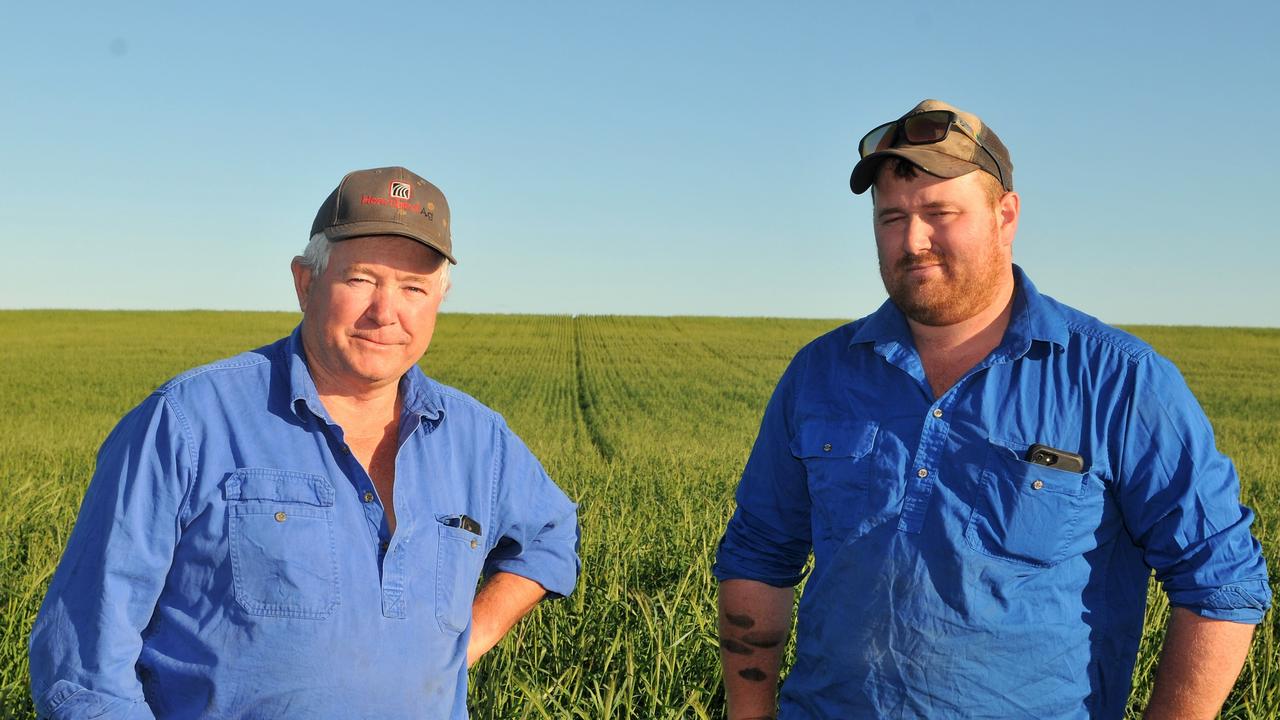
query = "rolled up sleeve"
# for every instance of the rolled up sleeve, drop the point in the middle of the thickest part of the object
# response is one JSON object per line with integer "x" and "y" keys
{"x": 1181, "y": 501}
{"x": 768, "y": 538}
{"x": 87, "y": 637}
{"x": 538, "y": 533}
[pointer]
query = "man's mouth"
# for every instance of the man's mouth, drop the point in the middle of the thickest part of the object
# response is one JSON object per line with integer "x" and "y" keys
{"x": 918, "y": 264}
{"x": 918, "y": 268}
{"x": 375, "y": 341}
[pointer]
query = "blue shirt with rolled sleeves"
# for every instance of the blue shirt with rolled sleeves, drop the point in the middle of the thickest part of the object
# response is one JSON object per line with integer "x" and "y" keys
{"x": 232, "y": 558}
{"x": 951, "y": 576}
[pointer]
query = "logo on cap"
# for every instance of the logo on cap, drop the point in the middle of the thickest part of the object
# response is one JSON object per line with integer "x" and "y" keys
{"x": 401, "y": 190}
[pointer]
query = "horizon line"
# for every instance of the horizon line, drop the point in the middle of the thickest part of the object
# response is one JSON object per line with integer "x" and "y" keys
{"x": 576, "y": 315}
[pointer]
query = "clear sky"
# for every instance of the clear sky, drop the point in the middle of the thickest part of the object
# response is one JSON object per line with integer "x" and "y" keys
{"x": 640, "y": 158}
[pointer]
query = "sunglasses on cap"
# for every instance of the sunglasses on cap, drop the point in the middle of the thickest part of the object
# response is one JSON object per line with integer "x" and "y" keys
{"x": 924, "y": 128}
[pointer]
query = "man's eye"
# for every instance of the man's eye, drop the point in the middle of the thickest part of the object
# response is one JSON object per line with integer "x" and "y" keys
{"x": 356, "y": 280}
{"x": 416, "y": 289}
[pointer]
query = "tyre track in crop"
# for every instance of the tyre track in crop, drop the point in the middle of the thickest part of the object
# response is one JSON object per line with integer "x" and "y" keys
{"x": 587, "y": 414}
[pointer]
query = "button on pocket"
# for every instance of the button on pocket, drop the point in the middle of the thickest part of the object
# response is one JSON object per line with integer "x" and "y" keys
{"x": 283, "y": 557}
{"x": 1031, "y": 514}
{"x": 836, "y": 456}
{"x": 458, "y": 564}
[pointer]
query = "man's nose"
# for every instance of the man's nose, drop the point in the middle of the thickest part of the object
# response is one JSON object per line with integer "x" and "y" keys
{"x": 918, "y": 235}
{"x": 381, "y": 308}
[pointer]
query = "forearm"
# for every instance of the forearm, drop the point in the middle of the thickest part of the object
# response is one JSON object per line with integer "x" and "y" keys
{"x": 755, "y": 622}
{"x": 502, "y": 600}
{"x": 1199, "y": 664}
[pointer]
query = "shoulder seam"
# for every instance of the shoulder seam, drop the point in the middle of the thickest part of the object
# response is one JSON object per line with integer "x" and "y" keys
{"x": 1134, "y": 352}
{"x": 227, "y": 364}
{"x": 453, "y": 393}
{"x": 498, "y": 458}
{"x": 192, "y": 452}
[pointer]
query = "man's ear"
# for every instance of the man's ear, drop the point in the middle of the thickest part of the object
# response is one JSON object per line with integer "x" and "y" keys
{"x": 302, "y": 277}
{"x": 1007, "y": 211}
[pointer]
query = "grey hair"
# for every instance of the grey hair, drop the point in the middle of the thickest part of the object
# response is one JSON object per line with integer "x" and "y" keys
{"x": 316, "y": 258}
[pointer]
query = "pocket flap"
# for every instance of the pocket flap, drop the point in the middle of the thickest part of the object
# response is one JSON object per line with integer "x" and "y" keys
{"x": 279, "y": 486}
{"x": 834, "y": 439}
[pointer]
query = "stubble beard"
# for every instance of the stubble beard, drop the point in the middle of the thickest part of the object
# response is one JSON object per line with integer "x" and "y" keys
{"x": 964, "y": 290}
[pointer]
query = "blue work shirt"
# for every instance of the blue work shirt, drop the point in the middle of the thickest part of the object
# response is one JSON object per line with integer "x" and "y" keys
{"x": 953, "y": 578}
{"x": 232, "y": 557}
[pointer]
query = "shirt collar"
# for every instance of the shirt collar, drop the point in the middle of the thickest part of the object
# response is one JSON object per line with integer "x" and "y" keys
{"x": 886, "y": 324}
{"x": 1034, "y": 317}
{"x": 418, "y": 393}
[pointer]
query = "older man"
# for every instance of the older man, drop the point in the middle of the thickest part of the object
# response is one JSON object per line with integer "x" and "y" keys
{"x": 986, "y": 478}
{"x": 298, "y": 531}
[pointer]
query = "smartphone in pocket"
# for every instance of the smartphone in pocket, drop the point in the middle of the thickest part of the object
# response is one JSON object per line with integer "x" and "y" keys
{"x": 1055, "y": 458}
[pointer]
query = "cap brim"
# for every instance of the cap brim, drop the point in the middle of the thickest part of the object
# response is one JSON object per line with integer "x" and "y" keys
{"x": 348, "y": 231}
{"x": 935, "y": 163}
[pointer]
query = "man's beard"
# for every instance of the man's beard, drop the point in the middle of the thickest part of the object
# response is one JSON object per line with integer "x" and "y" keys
{"x": 964, "y": 290}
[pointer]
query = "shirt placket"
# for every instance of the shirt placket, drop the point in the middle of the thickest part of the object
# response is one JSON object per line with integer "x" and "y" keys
{"x": 926, "y": 468}
{"x": 926, "y": 465}
{"x": 389, "y": 551}
{"x": 370, "y": 503}
{"x": 393, "y": 556}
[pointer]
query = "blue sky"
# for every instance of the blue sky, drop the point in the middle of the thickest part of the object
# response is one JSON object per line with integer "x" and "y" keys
{"x": 639, "y": 158}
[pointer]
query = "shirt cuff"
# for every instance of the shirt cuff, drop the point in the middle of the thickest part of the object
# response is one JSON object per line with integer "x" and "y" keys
{"x": 65, "y": 700}
{"x": 1244, "y": 602}
{"x": 749, "y": 551}
{"x": 554, "y": 568}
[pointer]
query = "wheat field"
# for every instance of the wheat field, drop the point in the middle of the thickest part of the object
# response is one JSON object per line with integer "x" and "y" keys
{"x": 645, "y": 421}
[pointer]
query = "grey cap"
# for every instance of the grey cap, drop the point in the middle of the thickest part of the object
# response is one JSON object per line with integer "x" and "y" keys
{"x": 386, "y": 201}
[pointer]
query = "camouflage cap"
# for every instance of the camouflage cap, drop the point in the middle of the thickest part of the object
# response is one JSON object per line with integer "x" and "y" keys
{"x": 956, "y": 155}
{"x": 386, "y": 201}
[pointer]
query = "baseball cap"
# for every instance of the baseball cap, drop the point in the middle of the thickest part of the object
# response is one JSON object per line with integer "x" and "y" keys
{"x": 974, "y": 147}
{"x": 386, "y": 201}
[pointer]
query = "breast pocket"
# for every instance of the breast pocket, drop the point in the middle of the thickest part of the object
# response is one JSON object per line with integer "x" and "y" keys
{"x": 837, "y": 460}
{"x": 284, "y": 562}
{"x": 1032, "y": 514}
{"x": 458, "y": 561}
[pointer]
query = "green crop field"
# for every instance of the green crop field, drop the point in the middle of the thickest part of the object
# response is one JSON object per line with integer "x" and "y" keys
{"x": 645, "y": 421}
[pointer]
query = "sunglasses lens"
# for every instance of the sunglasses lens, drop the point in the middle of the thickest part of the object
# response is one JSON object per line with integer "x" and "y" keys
{"x": 927, "y": 127}
{"x": 878, "y": 139}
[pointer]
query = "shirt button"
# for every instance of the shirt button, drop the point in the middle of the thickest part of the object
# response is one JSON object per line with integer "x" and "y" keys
{"x": 826, "y": 448}
{"x": 281, "y": 517}
{"x": 346, "y": 449}
{"x": 368, "y": 496}
{"x": 937, "y": 412}
{"x": 474, "y": 544}
{"x": 1037, "y": 484}
{"x": 922, "y": 473}
{"x": 383, "y": 545}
